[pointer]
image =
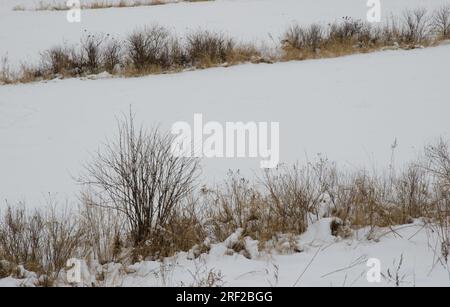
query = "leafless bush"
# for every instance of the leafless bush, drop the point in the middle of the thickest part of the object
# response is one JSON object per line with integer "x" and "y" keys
{"x": 441, "y": 21}
{"x": 347, "y": 30}
{"x": 62, "y": 239}
{"x": 91, "y": 53}
{"x": 104, "y": 230}
{"x": 304, "y": 38}
{"x": 282, "y": 202}
{"x": 360, "y": 199}
{"x": 139, "y": 176}
{"x": 416, "y": 26}
{"x": 438, "y": 164}
{"x": 5, "y": 71}
{"x": 412, "y": 194}
{"x": 293, "y": 194}
{"x": 236, "y": 204}
{"x": 391, "y": 31}
{"x": 186, "y": 220}
{"x": 149, "y": 48}
{"x": 57, "y": 60}
{"x": 42, "y": 241}
{"x": 206, "y": 48}
{"x": 20, "y": 236}
{"x": 178, "y": 54}
{"x": 112, "y": 56}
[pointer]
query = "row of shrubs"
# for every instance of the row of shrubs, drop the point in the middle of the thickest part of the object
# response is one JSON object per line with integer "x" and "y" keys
{"x": 146, "y": 51}
{"x": 140, "y": 202}
{"x": 156, "y": 50}
{"x": 413, "y": 28}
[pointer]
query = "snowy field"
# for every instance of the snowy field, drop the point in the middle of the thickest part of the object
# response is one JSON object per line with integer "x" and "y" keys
{"x": 407, "y": 258}
{"x": 350, "y": 109}
{"x": 24, "y": 34}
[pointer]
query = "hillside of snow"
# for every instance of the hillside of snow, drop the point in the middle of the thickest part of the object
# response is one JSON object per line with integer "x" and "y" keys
{"x": 24, "y": 34}
{"x": 364, "y": 111}
{"x": 350, "y": 109}
{"x": 407, "y": 257}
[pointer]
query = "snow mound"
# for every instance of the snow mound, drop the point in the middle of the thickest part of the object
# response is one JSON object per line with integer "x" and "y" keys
{"x": 318, "y": 233}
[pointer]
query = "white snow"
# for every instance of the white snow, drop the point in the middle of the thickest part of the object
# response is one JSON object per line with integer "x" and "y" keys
{"x": 335, "y": 263}
{"x": 350, "y": 109}
{"x": 24, "y": 34}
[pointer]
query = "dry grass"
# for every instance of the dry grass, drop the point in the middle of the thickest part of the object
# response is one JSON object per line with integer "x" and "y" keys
{"x": 348, "y": 36}
{"x": 42, "y": 241}
{"x": 154, "y": 50}
{"x": 136, "y": 208}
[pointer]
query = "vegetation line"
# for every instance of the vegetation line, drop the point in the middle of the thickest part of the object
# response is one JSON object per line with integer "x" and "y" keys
{"x": 154, "y": 50}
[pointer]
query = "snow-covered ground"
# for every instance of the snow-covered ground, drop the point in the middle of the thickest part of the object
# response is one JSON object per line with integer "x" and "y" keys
{"x": 351, "y": 109}
{"x": 406, "y": 256}
{"x": 24, "y": 34}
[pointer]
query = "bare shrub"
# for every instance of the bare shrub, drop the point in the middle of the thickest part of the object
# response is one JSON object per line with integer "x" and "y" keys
{"x": 149, "y": 48}
{"x": 346, "y": 31}
{"x": 206, "y": 48}
{"x": 104, "y": 231}
{"x": 412, "y": 194}
{"x": 362, "y": 199}
{"x": 112, "y": 56}
{"x": 20, "y": 236}
{"x": 62, "y": 240}
{"x": 293, "y": 194}
{"x": 178, "y": 56}
{"x": 57, "y": 60}
{"x": 441, "y": 21}
{"x": 42, "y": 241}
{"x": 6, "y": 75}
{"x": 416, "y": 26}
{"x": 300, "y": 38}
{"x": 438, "y": 164}
{"x": 281, "y": 203}
{"x": 236, "y": 204}
{"x": 139, "y": 176}
{"x": 91, "y": 53}
{"x": 184, "y": 230}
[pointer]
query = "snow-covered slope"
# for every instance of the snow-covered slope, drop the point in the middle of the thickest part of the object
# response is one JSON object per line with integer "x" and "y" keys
{"x": 333, "y": 263}
{"x": 24, "y": 34}
{"x": 407, "y": 255}
{"x": 351, "y": 109}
